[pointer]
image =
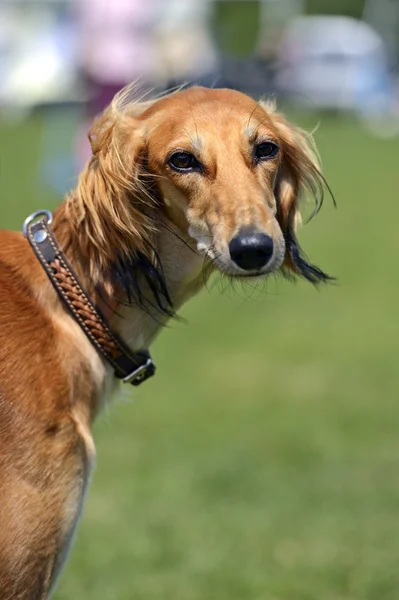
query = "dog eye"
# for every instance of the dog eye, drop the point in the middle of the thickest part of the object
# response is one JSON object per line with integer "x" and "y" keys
{"x": 265, "y": 150}
{"x": 184, "y": 161}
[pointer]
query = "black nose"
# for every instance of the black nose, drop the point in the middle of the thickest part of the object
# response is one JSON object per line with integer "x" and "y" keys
{"x": 251, "y": 251}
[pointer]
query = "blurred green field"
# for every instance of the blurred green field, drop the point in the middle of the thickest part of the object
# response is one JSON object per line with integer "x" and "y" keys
{"x": 262, "y": 463}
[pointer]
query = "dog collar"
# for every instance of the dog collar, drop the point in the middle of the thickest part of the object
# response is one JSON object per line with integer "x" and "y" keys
{"x": 131, "y": 367}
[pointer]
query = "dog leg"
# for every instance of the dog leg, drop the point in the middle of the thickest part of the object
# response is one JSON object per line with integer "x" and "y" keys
{"x": 42, "y": 489}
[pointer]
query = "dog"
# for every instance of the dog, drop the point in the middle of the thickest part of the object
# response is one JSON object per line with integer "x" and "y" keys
{"x": 196, "y": 181}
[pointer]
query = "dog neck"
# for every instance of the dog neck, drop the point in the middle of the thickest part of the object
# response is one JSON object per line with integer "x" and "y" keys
{"x": 183, "y": 272}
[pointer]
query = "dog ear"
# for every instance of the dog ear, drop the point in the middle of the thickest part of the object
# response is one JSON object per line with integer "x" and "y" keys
{"x": 299, "y": 175}
{"x": 111, "y": 208}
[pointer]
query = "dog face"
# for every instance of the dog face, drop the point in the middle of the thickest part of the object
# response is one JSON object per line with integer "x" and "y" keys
{"x": 230, "y": 172}
{"x": 218, "y": 155}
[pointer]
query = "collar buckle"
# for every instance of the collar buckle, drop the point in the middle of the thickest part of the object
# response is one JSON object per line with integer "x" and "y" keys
{"x": 140, "y": 374}
{"x": 38, "y": 215}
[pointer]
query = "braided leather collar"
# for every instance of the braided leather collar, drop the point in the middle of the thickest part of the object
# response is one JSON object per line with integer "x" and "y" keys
{"x": 131, "y": 367}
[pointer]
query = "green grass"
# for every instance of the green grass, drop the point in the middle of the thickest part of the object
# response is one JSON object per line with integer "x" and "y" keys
{"x": 262, "y": 463}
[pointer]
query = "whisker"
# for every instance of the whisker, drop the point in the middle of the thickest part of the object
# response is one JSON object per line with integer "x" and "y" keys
{"x": 251, "y": 115}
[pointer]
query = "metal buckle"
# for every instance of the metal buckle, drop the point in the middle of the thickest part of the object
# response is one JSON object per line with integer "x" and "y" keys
{"x": 141, "y": 373}
{"x": 34, "y": 216}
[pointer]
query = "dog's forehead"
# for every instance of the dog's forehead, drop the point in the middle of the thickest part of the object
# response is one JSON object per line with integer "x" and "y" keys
{"x": 197, "y": 110}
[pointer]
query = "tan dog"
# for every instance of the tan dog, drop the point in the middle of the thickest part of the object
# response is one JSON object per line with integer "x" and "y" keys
{"x": 198, "y": 178}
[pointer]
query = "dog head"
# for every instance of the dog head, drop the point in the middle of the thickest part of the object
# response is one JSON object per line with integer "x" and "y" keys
{"x": 227, "y": 171}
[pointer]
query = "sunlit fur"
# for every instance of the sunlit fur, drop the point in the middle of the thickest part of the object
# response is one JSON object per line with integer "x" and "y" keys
{"x": 142, "y": 238}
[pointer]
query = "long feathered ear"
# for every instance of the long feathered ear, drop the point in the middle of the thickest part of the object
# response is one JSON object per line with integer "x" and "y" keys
{"x": 106, "y": 208}
{"x": 299, "y": 176}
{"x": 113, "y": 208}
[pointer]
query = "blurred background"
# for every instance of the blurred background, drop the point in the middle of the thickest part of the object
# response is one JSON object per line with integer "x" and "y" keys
{"x": 262, "y": 462}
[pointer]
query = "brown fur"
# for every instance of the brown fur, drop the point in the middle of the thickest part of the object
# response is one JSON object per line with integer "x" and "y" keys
{"x": 135, "y": 230}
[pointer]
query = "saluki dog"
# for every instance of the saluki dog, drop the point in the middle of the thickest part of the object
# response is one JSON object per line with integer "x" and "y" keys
{"x": 196, "y": 181}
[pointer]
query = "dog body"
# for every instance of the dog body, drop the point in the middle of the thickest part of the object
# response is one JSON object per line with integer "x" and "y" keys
{"x": 198, "y": 180}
